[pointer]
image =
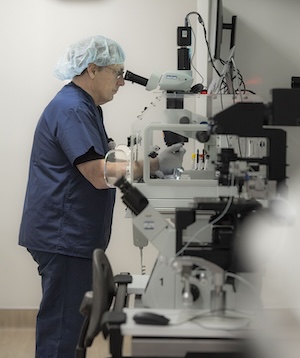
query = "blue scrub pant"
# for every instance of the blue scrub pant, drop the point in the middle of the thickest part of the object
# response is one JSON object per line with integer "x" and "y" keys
{"x": 65, "y": 280}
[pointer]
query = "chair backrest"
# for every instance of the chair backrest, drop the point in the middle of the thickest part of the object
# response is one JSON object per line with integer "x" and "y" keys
{"x": 103, "y": 292}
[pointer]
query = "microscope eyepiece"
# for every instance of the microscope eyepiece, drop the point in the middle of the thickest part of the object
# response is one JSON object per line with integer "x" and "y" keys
{"x": 132, "y": 197}
{"x": 129, "y": 76}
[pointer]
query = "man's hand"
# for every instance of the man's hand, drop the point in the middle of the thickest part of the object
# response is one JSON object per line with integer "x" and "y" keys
{"x": 171, "y": 158}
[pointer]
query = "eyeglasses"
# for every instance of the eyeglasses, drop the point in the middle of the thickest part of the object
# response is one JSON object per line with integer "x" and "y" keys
{"x": 119, "y": 74}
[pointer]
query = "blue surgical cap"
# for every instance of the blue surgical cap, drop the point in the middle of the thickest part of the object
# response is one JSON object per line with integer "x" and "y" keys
{"x": 99, "y": 50}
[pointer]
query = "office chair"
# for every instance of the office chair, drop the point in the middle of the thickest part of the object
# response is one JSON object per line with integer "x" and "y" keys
{"x": 96, "y": 303}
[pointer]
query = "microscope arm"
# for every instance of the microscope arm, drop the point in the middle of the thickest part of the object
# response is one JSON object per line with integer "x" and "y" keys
{"x": 147, "y": 220}
{"x": 151, "y": 225}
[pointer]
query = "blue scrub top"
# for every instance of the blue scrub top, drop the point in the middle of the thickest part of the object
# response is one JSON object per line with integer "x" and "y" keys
{"x": 63, "y": 212}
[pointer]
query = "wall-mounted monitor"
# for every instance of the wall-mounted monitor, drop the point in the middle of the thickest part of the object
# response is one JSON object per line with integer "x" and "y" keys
{"x": 216, "y": 27}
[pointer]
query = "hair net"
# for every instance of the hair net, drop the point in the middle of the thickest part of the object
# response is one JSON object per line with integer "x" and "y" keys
{"x": 99, "y": 50}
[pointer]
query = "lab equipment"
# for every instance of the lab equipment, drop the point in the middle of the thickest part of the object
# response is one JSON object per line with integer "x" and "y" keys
{"x": 180, "y": 80}
{"x": 197, "y": 213}
{"x": 99, "y": 50}
{"x": 179, "y": 281}
{"x": 192, "y": 214}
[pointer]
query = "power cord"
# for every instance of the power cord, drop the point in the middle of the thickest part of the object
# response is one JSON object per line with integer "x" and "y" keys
{"x": 224, "y": 88}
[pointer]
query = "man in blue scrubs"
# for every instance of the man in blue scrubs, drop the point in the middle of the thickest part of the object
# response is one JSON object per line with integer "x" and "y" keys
{"x": 68, "y": 206}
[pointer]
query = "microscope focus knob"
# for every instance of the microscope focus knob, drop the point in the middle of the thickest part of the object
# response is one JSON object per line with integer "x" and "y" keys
{"x": 202, "y": 136}
{"x": 194, "y": 292}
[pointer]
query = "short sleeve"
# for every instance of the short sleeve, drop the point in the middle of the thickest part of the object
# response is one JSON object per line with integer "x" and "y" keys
{"x": 78, "y": 131}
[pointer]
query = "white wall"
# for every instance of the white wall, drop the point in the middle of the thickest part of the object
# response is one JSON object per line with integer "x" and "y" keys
{"x": 33, "y": 35}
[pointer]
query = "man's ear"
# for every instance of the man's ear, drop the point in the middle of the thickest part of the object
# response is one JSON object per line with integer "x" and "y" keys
{"x": 91, "y": 70}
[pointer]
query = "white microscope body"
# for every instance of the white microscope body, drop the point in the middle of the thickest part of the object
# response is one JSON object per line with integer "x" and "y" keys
{"x": 192, "y": 216}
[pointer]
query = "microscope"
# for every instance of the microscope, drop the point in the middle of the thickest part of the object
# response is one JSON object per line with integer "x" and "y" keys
{"x": 193, "y": 215}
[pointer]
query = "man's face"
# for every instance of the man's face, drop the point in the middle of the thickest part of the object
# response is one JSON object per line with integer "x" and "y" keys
{"x": 107, "y": 81}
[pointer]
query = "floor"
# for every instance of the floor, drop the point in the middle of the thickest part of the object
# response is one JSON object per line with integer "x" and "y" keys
{"x": 17, "y": 336}
{"x": 19, "y": 343}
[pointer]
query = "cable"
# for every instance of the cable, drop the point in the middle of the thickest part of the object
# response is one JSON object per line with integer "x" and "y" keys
{"x": 205, "y": 36}
{"x": 244, "y": 281}
{"x": 238, "y": 78}
{"x": 200, "y": 20}
{"x": 241, "y": 87}
{"x": 191, "y": 316}
{"x": 194, "y": 13}
{"x": 192, "y": 58}
{"x": 209, "y": 51}
{"x": 195, "y": 42}
{"x": 143, "y": 267}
